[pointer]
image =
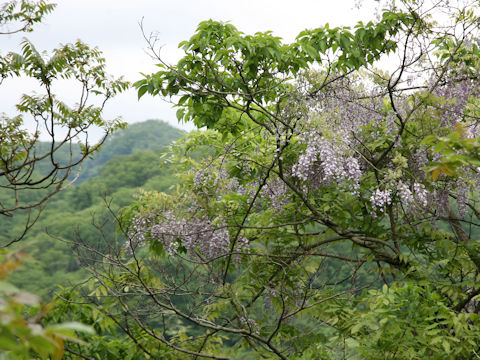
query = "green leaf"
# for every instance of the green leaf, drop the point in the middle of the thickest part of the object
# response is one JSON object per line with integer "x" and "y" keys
{"x": 352, "y": 343}
{"x": 7, "y": 287}
{"x": 69, "y": 327}
{"x": 180, "y": 114}
{"x": 142, "y": 90}
{"x": 446, "y": 346}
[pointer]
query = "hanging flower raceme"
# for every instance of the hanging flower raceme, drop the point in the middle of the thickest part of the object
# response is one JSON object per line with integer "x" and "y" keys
{"x": 380, "y": 199}
{"x": 198, "y": 236}
{"x": 323, "y": 162}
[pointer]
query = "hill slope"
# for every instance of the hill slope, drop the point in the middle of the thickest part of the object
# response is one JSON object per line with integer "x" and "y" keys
{"x": 130, "y": 160}
{"x": 147, "y": 135}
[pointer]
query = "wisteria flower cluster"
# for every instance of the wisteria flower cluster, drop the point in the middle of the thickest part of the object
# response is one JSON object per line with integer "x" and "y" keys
{"x": 324, "y": 162}
{"x": 206, "y": 178}
{"x": 138, "y": 231}
{"x": 380, "y": 199}
{"x": 195, "y": 234}
{"x": 412, "y": 198}
{"x": 276, "y": 193}
{"x": 198, "y": 235}
{"x": 456, "y": 94}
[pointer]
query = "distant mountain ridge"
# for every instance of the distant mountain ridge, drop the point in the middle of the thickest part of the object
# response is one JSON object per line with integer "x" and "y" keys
{"x": 151, "y": 134}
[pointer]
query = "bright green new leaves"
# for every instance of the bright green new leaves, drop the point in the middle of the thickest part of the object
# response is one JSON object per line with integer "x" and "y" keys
{"x": 457, "y": 150}
{"x": 355, "y": 49}
{"x": 23, "y": 13}
{"x": 410, "y": 321}
{"x": 223, "y": 67}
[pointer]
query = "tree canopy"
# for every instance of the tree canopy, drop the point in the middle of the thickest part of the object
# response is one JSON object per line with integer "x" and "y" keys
{"x": 24, "y": 189}
{"x": 44, "y": 114}
{"x": 337, "y": 214}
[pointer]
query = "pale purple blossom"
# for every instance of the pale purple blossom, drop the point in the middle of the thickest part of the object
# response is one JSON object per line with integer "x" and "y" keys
{"x": 303, "y": 169}
{"x": 138, "y": 230}
{"x": 249, "y": 323}
{"x": 325, "y": 162}
{"x": 441, "y": 199}
{"x": 421, "y": 194}
{"x": 463, "y": 191}
{"x": 405, "y": 194}
{"x": 234, "y": 186}
{"x": 276, "y": 192}
{"x": 195, "y": 234}
{"x": 200, "y": 179}
{"x": 380, "y": 199}
{"x": 462, "y": 201}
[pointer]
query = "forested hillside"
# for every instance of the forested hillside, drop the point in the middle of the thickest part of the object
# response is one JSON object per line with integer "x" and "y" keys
{"x": 128, "y": 161}
{"x": 326, "y": 207}
{"x": 148, "y": 135}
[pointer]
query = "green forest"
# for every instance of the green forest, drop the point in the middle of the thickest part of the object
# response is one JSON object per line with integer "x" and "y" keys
{"x": 324, "y": 207}
{"x": 129, "y": 162}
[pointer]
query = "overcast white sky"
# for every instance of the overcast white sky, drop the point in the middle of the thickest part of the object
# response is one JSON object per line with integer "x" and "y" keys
{"x": 113, "y": 26}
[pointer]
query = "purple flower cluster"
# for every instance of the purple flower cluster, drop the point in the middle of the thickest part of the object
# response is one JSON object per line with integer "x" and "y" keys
{"x": 276, "y": 192}
{"x": 421, "y": 194}
{"x": 196, "y": 234}
{"x": 409, "y": 199}
{"x": 234, "y": 186}
{"x": 462, "y": 201}
{"x": 328, "y": 163}
{"x": 269, "y": 294}
{"x": 137, "y": 231}
{"x": 250, "y": 324}
{"x": 380, "y": 199}
{"x": 304, "y": 168}
{"x": 463, "y": 192}
{"x": 201, "y": 178}
{"x": 206, "y": 178}
{"x": 405, "y": 194}
{"x": 456, "y": 93}
{"x": 418, "y": 161}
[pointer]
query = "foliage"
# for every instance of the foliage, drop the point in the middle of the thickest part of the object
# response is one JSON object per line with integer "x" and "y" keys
{"x": 397, "y": 323}
{"x": 21, "y": 16}
{"x": 47, "y": 114}
{"x": 223, "y": 66}
{"x": 75, "y": 213}
{"x": 333, "y": 210}
{"x": 324, "y": 177}
{"x": 24, "y": 189}
{"x": 108, "y": 341}
{"x": 22, "y": 333}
